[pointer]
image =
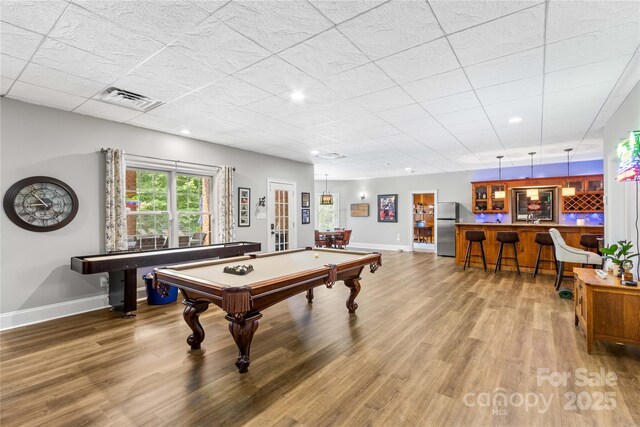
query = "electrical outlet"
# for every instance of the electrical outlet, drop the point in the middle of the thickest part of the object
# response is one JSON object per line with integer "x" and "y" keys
{"x": 104, "y": 282}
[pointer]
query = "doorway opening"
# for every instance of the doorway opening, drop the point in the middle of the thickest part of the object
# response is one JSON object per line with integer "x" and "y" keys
{"x": 281, "y": 215}
{"x": 423, "y": 230}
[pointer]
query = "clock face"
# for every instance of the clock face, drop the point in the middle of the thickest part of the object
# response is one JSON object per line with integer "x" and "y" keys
{"x": 40, "y": 204}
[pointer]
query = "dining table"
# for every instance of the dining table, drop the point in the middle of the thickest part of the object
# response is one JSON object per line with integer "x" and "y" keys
{"x": 331, "y": 237}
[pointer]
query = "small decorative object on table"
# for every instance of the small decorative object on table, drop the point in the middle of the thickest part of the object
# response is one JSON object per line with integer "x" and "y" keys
{"x": 619, "y": 254}
{"x": 239, "y": 270}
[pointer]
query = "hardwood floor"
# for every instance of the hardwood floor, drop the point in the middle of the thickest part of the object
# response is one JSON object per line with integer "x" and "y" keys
{"x": 429, "y": 345}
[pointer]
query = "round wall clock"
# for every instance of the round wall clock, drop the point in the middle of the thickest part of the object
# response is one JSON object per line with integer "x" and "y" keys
{"x": 40, "y": 203}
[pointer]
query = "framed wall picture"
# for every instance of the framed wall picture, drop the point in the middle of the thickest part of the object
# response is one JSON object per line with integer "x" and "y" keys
{"x": 360, "y": 209}
{"x": 306, "y": 216}
{"x": 387, "y": 208}
{"x": 244, "y": 207}
{"x": 306, "y": 200}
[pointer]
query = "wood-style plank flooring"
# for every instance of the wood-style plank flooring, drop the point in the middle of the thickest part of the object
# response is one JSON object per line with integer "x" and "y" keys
{"x": 427, "y": 337}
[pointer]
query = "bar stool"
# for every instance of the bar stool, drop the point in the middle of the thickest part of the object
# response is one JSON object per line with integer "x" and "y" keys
{"x": 474, "y": 236}
{"x": 507, "y": 237}
{"x": 544, "y": 239}
{"x": 589, "y": 242}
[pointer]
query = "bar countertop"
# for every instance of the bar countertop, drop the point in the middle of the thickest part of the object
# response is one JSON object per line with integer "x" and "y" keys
{"x": 523, "y": 224}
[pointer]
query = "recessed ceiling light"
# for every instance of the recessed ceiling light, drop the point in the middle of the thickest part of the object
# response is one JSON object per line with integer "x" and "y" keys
{"x": 297, "y": 96}
{"x": 515, "y": 120}
{"x": 407, "y": 169}
{"x": 185, "y": 132}
{"x": 314, "y": 152}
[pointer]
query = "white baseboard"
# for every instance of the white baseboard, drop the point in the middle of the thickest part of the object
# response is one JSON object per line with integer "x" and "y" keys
{"x": 379, "y": 246}
{"x": 15, "y": 319}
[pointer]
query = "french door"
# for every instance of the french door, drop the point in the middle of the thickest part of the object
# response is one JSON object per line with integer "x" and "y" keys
{"x": 281, "y": 215}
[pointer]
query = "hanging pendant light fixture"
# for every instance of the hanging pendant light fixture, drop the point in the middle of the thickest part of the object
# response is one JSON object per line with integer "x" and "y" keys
{"x": 501, "y": 194}
{"x": 532, "y": 192}
{"x": 568, "y": 191}
{"x": 326, "y": 198}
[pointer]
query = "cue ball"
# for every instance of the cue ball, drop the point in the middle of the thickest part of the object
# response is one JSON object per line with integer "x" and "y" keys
{"x": 316, "y": 255}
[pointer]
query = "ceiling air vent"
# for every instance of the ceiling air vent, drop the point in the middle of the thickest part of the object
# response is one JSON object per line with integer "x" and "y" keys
{"x": 330, "y": 156}
{"x": 126, "y": 99}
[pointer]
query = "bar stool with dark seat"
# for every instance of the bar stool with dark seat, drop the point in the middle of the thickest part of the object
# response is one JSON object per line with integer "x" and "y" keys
{"x": 509, "y": 238}
{"x": 544, "y": 239}
{"x": 589, "y": 242}
{"x": 474, "y": 236}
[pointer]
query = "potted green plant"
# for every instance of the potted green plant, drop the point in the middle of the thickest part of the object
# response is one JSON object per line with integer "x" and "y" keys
{"x": 619, "y": 254}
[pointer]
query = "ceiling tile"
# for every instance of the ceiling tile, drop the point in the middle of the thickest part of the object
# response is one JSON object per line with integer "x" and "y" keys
{"x": 275, "y": 25}
{"x": 592, "y": 47}
{"x": 505, "y": 36}
{"x": 507, "y": 69}
{"x": 339, "y": 11}
{"x": 392, "y": 27}
{"x": 568, "y": 19}
{"x": 480, "y": 125}
{"x": 211, "y": 6}
{"x": 43, "y": 96}
{"x": 60, "y": 81}
{"x": 107, "y": 111}
{"x": 403, "y": 114}
{"x": 17, "y": 42}
{"x": 275, "y": 106}
{"x": 11, "y": 67}
{"x": 576, "y": 97}
{"x": 444, "y": 84}
{"x": 359, "y": 81}
{"x": 324, "y": 55}
{"x": 5, "y": 84}
{"x": 524, "y": 88}
{"x": 423, "y": 61}
{"x": 234, "y": 91}
{"x": 384, "y": 100}
{"x": 177, "y": 68}
{"x": 161, "y": 20}
{"x": 449, "y": 104}
{"x": 413, "y": 126}
{"x": 63, "y": 57}
{"x": 217, "y": 45}
{"x": 585, "y": 75}
{"x": 34, "y": 15}
{"x": 78, "y": 27}
{"x": 458, "y": 15}
{"x": 529, "y": 109}
{"x": 275, "y": 76}
{"x": 463, "y": 116}
{"x": 150, "y": 85}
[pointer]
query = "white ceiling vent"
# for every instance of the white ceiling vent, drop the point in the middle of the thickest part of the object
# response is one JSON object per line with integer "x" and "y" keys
{"x": 126, "y": 99}
{"x": 330, "y": 156}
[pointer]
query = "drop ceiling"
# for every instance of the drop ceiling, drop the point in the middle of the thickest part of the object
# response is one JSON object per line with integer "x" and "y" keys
{"x": 426, "y": 85}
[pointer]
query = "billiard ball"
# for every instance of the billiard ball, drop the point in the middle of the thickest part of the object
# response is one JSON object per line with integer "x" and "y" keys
{"x": 316, "y": 255}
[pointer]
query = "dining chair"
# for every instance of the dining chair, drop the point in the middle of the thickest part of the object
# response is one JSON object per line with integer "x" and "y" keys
{"x": 343, "y": 241}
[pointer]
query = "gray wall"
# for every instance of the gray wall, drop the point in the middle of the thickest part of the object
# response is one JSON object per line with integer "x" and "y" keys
{"x": 620, "y": 206}
{"x": 43, "y": 141}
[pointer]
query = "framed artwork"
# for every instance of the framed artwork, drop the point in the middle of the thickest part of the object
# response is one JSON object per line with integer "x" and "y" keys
{"x": 306, "y": 216}
{"x": 244, "y": 207}
{"x": 306, "y": 200}
{"x": 360, "y": 209}
{"x": 387, "y": 208}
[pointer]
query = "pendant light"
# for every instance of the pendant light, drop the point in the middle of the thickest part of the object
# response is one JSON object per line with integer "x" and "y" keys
{"x": 532, "y": 192}
{"x": 500, "y": 194}
{"x": 326, "y": 198}
{"x": 568, "y": 191}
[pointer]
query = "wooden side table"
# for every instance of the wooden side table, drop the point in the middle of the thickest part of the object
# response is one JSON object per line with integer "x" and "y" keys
{"x": 605, "y": 309}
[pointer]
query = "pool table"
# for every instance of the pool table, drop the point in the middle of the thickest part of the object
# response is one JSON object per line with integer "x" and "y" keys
{"x": 276, "y": 276}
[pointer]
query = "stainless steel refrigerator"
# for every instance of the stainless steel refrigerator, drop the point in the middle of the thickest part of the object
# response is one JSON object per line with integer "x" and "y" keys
{"x": 446, "y": 231}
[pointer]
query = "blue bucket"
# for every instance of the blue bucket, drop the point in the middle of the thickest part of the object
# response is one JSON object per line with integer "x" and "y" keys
{"x": 156, "y": 298}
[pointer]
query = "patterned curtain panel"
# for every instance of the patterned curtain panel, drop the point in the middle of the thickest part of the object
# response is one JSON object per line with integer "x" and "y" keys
{"x": 115, "y": 230}
{"x": 226, "y": 228}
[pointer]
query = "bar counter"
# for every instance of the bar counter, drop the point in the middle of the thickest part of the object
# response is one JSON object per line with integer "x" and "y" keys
{"x": 527, "y": 247}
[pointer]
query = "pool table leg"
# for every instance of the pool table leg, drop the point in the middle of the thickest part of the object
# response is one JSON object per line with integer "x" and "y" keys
{"x": 242, "y": 328}
{"x": 191, "y": 314}
{"x": 310, "y": 295}
{"x": 354, "y": 286}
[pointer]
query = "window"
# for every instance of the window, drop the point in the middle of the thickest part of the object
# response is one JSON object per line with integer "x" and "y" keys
{"x": 328, "y": 215}
{"x": 154, "y": 198}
